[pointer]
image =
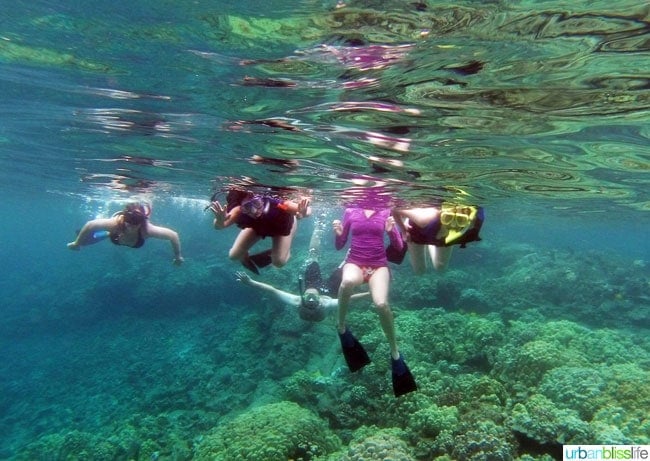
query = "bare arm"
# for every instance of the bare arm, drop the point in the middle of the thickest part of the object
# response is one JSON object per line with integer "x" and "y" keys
{"x": 302, "y": 209}
{"x": 283, "y": 296}
{"x": 223, "y": 218}
{"x": 341, "y": 230}
{"x": 360, "y": 295}
{"x": 332, "y": 304}
{"x": 108, "y": 224}
{"x": 167, "y": 234}
{"x": 394, "y": 235}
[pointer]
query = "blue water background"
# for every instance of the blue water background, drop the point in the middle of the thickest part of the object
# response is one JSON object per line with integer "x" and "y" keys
{"x": 94, "y": 338}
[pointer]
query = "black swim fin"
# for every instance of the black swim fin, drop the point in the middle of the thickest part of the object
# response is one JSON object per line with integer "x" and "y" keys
{"x": 403, "y": 381}
{"x": 250, "y": 265}
{"x": 355, "y": 355}
{"x": 334, "y": 281}
{"x": 261, "y": 259}
{"x": 313, "y": 278}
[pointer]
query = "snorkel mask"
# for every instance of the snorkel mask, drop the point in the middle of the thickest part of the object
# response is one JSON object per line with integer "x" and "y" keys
{"x": 310, "y": 308}
{"x": 458, "y": 220}
{"x": 311, "y": 298}
{"x": 254, "y": 207}
{"x": 456, "y": 217}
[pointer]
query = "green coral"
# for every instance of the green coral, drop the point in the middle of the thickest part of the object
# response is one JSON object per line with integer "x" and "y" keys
{"x": 278, "y": 431}
{"x": 536, "y": 348}
{"x": 539, "y": 419}
{"x": 373, "y": 444}
{"x": 619, "y": 426}
{"x": 485, "y": 441}
{"x": 623, "y": 415}
{"x": 578, "y": 388}
{"x": 623, "y": 382}
{"x": 75, "y": 446}
{"x": 460, "y": 339}
{"x": 528, "y": 364}
{"x": 430, "y": 421}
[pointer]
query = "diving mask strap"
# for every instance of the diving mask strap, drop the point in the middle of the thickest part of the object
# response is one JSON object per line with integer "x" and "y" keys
{"x": 301, "y": 285}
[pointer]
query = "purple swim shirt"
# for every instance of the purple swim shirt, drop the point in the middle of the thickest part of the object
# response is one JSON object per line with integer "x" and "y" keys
{"x": 367, "y": 241}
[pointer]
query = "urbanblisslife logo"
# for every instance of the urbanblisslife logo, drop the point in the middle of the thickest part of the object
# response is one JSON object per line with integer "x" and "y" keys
{"x": 606, "y": 452}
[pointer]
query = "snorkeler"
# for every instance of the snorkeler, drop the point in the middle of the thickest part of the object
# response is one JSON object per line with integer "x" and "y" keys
{"x": 259, "y": 216}
{"x": 317, "y": 297}
{"x": 312, "y": 304}
{"x": 129, "y": 227}
{"x": 437, "y": 230}
{"x": 366, "y": 263}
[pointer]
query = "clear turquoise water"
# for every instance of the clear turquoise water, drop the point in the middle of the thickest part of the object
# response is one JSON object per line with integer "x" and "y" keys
{"x": 537, "y": 111}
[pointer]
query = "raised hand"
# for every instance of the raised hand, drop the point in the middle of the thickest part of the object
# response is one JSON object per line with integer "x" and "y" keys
{"x": 337, "y": 226}
{"x": 390, "y": 223}
{"x": 220, "y": 213}
{"x": 303, "y": 207}
{"x": 242, "y": 277}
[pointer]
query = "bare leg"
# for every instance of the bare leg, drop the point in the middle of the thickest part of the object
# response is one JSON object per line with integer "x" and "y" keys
{"x": 281, "y": 251}
{"x": 379, "y": 285}
{"x": 440, "y": 257}
{"x": 352, "y": 277}
{"x": 418, "y": 261}
{"x": 244, "y": 242}
{"x": 315, "y": 241}
{"x": 419, "y": 216}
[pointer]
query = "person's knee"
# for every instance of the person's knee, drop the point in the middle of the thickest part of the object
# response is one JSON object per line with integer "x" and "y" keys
{"x": 279, "y": 259}
{"x": 235, "y": 255}
{"x": 349, "y": 282}
{"x": 383, "y": 308}
{"x": 346, "y": 285}
{"x": 279, "y": 262}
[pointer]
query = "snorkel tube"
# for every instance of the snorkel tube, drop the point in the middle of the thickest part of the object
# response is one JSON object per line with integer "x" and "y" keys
{"x": 301, "y": 286}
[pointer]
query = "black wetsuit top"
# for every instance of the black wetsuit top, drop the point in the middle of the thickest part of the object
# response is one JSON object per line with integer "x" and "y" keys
{"x": 115, "y": 238}
{"x": 274, "y": 221}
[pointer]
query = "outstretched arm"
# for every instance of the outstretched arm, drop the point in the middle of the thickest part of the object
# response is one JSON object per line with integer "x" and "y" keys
{"x": 331, "y": 304}
{"x": 360, "y": 295}
{"x": 301, "y": 209}
{"x": 89, "y": 228}
{"x": 167, "y": 234}
{"x": 283, "y": 296}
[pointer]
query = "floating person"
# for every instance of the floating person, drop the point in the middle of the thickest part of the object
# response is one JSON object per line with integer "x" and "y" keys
{"x": 312, "y": 304}
{"x": 435, "y": 230}
{"x": 366, "y": 263}
{"x": 317, "y": 298}
{"x": 259, "y": 216}
{"x": 129, "y": 227}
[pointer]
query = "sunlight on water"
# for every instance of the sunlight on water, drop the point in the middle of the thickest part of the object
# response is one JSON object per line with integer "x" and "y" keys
{"x": 502, "y": 100}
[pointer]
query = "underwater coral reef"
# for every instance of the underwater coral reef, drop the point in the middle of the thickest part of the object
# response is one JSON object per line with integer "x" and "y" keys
{"x": 505, "y": 369}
